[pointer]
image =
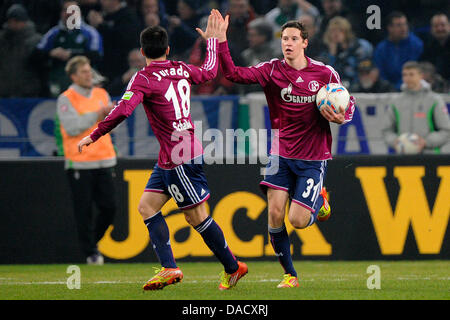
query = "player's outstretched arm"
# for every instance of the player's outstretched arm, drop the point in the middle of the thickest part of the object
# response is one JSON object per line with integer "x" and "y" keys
{"x": 86, "y": 141}
{"x": 136, "y": 89}
{"x": 210, "y": 65}
{"x": 246, "y": 75}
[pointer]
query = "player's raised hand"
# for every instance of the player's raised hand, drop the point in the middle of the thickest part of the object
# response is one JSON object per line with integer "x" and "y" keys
{"x": 86, "y": 141}
{"x": 223, "y": 25}
{"x": 211, "y": 27}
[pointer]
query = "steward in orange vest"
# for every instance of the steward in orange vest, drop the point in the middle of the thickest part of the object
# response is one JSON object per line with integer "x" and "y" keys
{"x": 79, "y": 111}
{"x": 91, "y": 173}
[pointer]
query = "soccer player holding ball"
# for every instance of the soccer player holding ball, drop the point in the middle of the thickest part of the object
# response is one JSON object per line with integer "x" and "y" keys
{"x": 163, "y": 87}
{"x": 301, "y": 148}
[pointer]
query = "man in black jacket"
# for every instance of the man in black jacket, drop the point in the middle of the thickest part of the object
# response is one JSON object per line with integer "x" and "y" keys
{"x": 19, "y": 77}
{"x": 437, "y": 48}
{"x": 61, "y": 43}
{"x": 369, "y": 80}
{"x": 120, "y": 31}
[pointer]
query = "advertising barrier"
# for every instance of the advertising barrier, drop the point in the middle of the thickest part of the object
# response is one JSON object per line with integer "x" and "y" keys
{"x": 360, "y": 136}
{"x": 383, "y": 207}
{"x": 26, "y": 126}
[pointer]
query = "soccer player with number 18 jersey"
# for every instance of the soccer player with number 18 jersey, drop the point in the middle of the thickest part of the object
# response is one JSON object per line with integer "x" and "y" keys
{"x": 163, "y": 87}
{"x": 301, "y": 145}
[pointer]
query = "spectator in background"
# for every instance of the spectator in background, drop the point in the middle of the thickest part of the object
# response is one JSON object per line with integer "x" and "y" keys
{"x": 181, "y": 29}
{"x": 241, "y": 14}
{"x": 151, "y": 20}
{"x": 343, "y": 50}
{"x": 43, "y": 13}
{"x": 289, "y": 10}
{"x": 117, "y": 24}
{"x": 315, "y": 43}
{"x": 331, "y": 9}
{"x": 87, "y": 6}
{"x": 136, "y": 62}
{"x": 90, "y": 174}
{"x": 60, "y": 43}
{"x": 356, "y": 13}
{"x": 417, "y": 110}
{"x": 18, "y": 76}
{"x": 369, "y": 79}
{"x": 419, "y": 12}
{"x": 148, "y": 9}
{"x": 261, "y": 47}
{"x": 430, "y": 75}
{"x": 437, "y": 48}
{"x": 400, "y": 46}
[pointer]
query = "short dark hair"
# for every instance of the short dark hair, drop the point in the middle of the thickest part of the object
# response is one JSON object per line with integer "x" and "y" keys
{"x": 394, "y": 15}
{"x": 154, "y": 42}
{"x": 297, "y": 25}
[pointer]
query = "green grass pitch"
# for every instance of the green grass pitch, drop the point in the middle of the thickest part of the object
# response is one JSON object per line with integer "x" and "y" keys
{"x": 403, "y": 280}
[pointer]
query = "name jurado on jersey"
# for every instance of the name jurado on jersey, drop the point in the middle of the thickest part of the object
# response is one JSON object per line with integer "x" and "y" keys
{"x": 171, "y": 72}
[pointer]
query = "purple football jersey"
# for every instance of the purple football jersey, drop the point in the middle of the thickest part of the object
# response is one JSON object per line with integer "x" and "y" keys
{"x": 164, "y": 89}
{"x": 303, "y": 133}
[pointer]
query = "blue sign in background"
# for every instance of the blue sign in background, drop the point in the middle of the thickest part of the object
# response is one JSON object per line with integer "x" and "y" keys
{"x": 27, "y": 125}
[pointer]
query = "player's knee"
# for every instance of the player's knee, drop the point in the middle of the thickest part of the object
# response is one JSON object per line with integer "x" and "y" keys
{"x": 142, "y": 210}
{"x": 145, "y": 210}
{"x": 196, "y": 215}
{"x": 194, "y": 219}
{"x": 298, "y": 224}
{"x": 276, "y": 216}
{"x": 299, "y": 221}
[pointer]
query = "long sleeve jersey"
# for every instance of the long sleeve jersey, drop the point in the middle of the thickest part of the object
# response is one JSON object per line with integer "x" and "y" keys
{"x": 164, "y": 88}
{"x": 301, "y": 132}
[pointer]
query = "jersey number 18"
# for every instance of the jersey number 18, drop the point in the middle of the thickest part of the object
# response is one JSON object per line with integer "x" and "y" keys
{"x": 184, "y": 92}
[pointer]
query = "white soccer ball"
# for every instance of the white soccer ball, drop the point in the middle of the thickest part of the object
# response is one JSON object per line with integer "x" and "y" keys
{"x": 408, "y": 143}
{"x": 334, "y": 95}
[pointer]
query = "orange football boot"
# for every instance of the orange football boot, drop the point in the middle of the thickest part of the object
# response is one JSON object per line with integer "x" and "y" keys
{"x": 325, "y": 210}
{"x": 228, "y": 281}
{"x": 164, "y": 277}
{"x": 288, "y": 282}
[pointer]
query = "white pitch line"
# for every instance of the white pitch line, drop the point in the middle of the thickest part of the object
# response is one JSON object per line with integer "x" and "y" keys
{"x": 125, "y": 282}
{"x": 187, "y": 281}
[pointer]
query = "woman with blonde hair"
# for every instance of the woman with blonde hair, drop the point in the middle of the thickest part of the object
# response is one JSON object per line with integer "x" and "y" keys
{"x": 343, "y": 50}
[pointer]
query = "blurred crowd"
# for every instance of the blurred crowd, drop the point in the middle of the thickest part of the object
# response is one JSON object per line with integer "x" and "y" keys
{"x": 36, "y": 42}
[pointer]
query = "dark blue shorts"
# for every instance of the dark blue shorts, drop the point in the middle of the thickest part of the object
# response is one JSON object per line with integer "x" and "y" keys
{"x": 186, "y": 184}
{"x": 302, "y": 179}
